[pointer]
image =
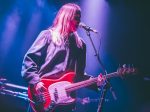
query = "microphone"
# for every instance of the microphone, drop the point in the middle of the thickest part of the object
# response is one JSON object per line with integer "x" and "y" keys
{"x": 87, "y": 28}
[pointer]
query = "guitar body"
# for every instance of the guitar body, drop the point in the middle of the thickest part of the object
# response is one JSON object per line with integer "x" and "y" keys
{"x": 55, "y": 94}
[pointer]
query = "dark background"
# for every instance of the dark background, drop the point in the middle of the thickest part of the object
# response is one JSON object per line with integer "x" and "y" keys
{"x": 127, "y": 42}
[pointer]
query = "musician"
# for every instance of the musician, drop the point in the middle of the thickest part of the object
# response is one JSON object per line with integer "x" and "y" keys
{"x": 57, "y": 50}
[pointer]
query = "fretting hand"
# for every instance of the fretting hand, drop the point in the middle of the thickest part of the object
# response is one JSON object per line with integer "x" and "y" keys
{"x": 100, "y": 80}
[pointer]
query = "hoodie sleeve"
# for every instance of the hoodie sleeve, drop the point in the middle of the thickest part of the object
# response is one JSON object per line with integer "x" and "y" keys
{"x": 34, "y": 58}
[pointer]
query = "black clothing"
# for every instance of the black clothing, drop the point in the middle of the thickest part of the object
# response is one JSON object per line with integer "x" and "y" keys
{"x": 46, "y": 59}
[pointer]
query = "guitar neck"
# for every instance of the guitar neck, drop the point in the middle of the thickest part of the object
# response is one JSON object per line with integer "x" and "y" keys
{"x": 88, "y": 82}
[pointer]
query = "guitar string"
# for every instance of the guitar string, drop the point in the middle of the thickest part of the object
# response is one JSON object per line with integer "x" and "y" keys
{"x": 47, "y": 95}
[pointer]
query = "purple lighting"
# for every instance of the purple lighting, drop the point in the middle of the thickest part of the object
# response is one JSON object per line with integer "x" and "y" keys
{"x": 95, "y": 14}
{"x": 9, "y": 31}
{"x": 32, "y": 28}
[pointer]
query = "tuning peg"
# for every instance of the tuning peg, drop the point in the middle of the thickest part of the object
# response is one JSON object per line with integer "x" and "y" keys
{"x": 129, "y": 65}
{"x": 119, "y": 68}
{"x": 124, "y": 65}
{"x": 120, "y": 71}
{"x": 132, "y": 69}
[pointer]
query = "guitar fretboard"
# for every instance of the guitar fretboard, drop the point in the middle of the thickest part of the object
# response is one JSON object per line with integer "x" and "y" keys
{"x": 88, "y": 82}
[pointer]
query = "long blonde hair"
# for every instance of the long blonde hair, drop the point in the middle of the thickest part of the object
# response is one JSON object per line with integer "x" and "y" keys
{"x": 62, "y": 20}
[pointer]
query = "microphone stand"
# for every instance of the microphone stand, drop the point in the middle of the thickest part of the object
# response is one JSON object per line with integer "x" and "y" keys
{"x": 96, "y": 53}
{"x": 107, "y": 85}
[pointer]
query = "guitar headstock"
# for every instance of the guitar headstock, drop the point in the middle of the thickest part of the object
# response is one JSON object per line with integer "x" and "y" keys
{"x": 126, "y": 69}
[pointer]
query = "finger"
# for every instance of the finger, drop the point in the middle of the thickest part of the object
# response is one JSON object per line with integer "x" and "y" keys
{"x": 44, "y": 88}
{"x": 100, "y": 78}
{"x": 40, "y": 87}
{"x": 100, "y": 75}
{"x": 38, "y": 90}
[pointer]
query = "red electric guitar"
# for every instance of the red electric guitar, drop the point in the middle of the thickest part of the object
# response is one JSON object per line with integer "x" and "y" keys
{"x": 58, "y": 90}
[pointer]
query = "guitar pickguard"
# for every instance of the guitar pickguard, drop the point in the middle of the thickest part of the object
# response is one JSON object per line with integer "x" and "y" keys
{"x": 58, "y": 93}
